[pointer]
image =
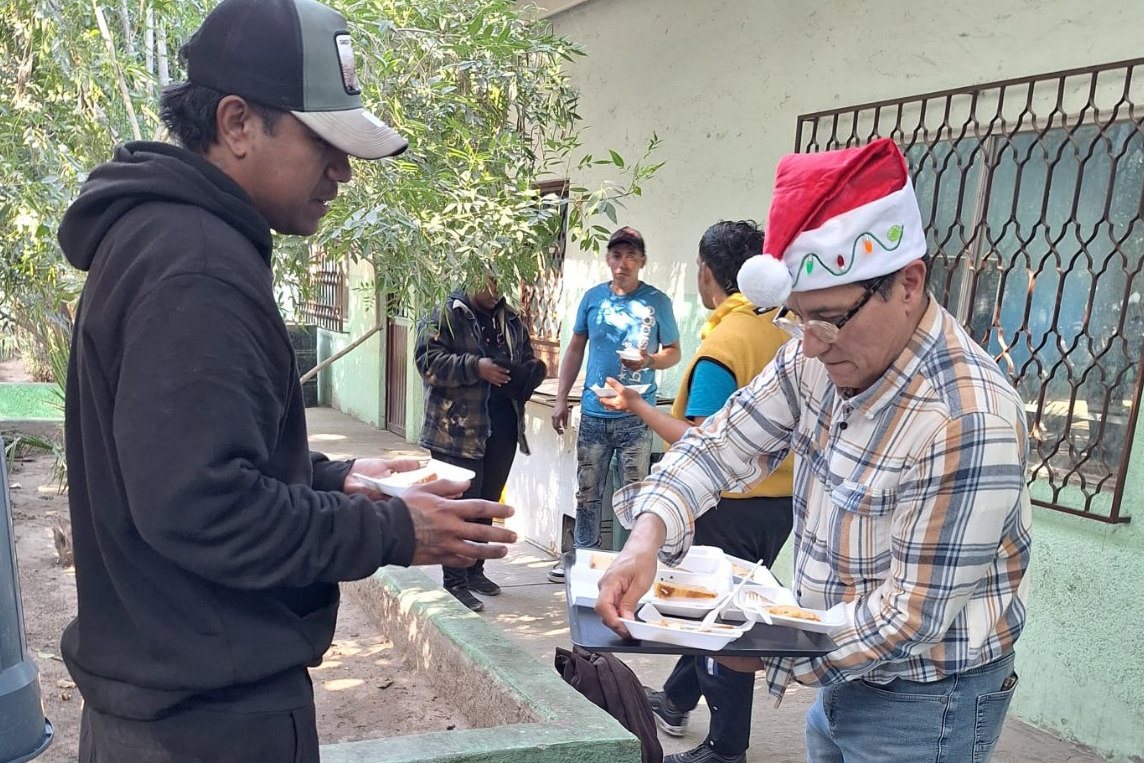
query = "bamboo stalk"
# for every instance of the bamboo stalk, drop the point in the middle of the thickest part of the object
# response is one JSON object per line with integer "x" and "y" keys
{"x": 123, "y": 92}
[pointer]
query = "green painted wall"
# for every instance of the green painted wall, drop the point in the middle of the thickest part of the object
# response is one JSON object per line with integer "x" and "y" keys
{"x": 355, "y": 384}
{"x": 1082, "y": 657}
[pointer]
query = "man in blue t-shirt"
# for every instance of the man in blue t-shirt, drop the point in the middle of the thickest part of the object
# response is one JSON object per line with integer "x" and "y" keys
{"x": 630, "y": 332}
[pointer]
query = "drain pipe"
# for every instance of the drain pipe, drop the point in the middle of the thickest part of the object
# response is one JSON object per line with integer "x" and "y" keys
{"x": 26, "y": 732}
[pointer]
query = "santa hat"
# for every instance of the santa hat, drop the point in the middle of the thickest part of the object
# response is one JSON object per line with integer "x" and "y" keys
{"x": 837, "y": 217}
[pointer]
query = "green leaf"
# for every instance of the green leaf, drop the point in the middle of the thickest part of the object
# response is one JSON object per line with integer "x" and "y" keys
{"x": 617, "y": 159}
{"x": 610, "y": 210}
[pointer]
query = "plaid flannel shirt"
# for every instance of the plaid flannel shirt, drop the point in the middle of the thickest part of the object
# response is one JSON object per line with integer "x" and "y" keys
{"x": 911, "y": 506}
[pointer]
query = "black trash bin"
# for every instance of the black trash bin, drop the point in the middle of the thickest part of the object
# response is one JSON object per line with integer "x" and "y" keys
{"x": 24, "y": 732}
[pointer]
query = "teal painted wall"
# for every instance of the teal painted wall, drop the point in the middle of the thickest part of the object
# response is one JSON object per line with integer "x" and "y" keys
{"x": 354, "y": 384}
{"x": 1081, "y": 659}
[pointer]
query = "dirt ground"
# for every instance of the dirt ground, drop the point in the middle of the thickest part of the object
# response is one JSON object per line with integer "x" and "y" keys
{"x": 363, "y": 690}
{"x": 12, "y": 370}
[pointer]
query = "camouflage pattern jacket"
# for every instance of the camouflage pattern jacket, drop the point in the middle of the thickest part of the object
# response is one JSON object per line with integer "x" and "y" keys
{"x": 449, "y": 346}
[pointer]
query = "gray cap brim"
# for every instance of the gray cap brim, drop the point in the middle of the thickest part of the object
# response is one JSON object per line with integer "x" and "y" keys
{"x": 355, "y": 131}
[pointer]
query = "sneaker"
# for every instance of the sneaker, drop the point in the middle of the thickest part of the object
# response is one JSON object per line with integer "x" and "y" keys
{"x": 667, "y": 717}
{"x": 482, "y": 585}
{"x": 704, "y": 754}
{"x": 556, "y": 574}
{"x": 465, "y": 596}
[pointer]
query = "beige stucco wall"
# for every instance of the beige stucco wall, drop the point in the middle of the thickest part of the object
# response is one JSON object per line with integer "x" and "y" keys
{"x": 722, "y": 83}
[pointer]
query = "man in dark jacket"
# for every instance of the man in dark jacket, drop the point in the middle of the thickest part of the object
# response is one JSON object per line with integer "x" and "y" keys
{"x": 476, "y": 358}
{"x": 209, "y": 542}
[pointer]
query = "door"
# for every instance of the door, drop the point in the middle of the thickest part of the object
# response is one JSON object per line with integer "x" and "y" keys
{"x": 396, "y": 373}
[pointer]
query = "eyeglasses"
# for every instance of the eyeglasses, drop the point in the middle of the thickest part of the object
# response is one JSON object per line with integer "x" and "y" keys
{"x": 826, "y": 331}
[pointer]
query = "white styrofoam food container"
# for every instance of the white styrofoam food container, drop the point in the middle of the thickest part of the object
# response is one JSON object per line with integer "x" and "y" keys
{"x": 651, "y": 625}
{"x": 762, "y": 575}
{"x": 584, "y": 576}
{"x": 702, "y": 565}
{"x": 398, "y": 482}
{"x": 602, "y": 390}
{"x": 749, "y": 603}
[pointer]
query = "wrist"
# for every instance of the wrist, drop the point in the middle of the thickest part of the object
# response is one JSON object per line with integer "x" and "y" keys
{"x": 651, "y": 362}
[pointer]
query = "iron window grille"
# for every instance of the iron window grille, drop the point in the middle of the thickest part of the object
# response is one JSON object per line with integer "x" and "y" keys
{"x": 326, "y": 304}
{"x": 540, "y": 301}
{"x": 1031, "y": 196}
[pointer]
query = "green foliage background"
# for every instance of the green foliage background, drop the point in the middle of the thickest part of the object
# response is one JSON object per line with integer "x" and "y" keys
{"x": 477, "y": 86}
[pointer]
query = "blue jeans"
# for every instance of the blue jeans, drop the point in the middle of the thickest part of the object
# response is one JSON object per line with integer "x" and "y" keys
{"x": 626, "y": 437}
{"x": 955, "y": 720}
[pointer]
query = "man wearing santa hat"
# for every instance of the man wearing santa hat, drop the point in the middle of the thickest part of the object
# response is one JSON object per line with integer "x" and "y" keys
{"x": 911, "y": 508}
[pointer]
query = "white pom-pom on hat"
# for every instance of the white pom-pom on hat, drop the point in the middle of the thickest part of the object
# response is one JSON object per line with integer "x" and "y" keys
{"x": 765, "y": 281}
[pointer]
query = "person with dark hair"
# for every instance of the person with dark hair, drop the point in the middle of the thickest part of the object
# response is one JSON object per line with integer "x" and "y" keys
{"x": 912, "y": 516}
{"x": 628, "y": 329}
{"x": 738, "y": 340}
{"x": 476, "y": 359}
{"x": 209, "y": 542}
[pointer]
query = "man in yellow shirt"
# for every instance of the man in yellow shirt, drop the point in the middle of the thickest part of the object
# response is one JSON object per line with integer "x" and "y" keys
{"x": 737, "y": 342}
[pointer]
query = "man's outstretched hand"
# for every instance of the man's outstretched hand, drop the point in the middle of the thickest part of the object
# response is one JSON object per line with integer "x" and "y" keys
{"x": 631, "y": 574}
{"x": 443, "y": 535}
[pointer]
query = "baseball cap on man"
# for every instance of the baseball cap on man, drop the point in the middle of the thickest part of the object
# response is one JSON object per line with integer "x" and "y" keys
{"x": 290, "y": 55}
{"x": 629, "y": 236}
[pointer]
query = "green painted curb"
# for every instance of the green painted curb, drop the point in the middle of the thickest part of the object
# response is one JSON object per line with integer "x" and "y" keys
{"x": 529, "y": 712}
{"x": 29, "y": 402}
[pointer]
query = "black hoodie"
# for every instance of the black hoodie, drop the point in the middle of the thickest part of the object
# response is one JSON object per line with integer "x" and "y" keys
{"x": 207, "y": 554}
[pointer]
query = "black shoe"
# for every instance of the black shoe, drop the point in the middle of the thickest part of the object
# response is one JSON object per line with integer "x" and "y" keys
{"x": 704, "y": 754}
{"x": 465, "y": 596}
{"x": 556, "y": 574}
{"x": 672, "y": 720}
{"x": 482, "y": 585}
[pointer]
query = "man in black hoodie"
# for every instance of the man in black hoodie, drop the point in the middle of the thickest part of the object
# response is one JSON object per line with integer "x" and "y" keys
{"x": 209, "y": 542}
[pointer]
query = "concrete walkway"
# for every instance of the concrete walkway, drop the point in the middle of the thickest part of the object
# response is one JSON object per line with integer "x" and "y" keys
{"x": 532, "y": 612}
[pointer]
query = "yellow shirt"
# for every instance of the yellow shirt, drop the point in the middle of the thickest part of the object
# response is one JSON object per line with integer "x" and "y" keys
{"x": 742, "y": 342}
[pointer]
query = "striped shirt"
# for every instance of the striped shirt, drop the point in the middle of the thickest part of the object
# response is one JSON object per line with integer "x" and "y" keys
{"x": 911, "y": 507}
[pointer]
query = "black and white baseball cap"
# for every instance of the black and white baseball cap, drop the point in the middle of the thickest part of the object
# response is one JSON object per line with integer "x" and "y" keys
{"x": 291, "y": 55}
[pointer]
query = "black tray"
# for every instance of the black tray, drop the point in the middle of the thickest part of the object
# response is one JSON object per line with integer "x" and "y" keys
{"x": 587, "y": 630}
